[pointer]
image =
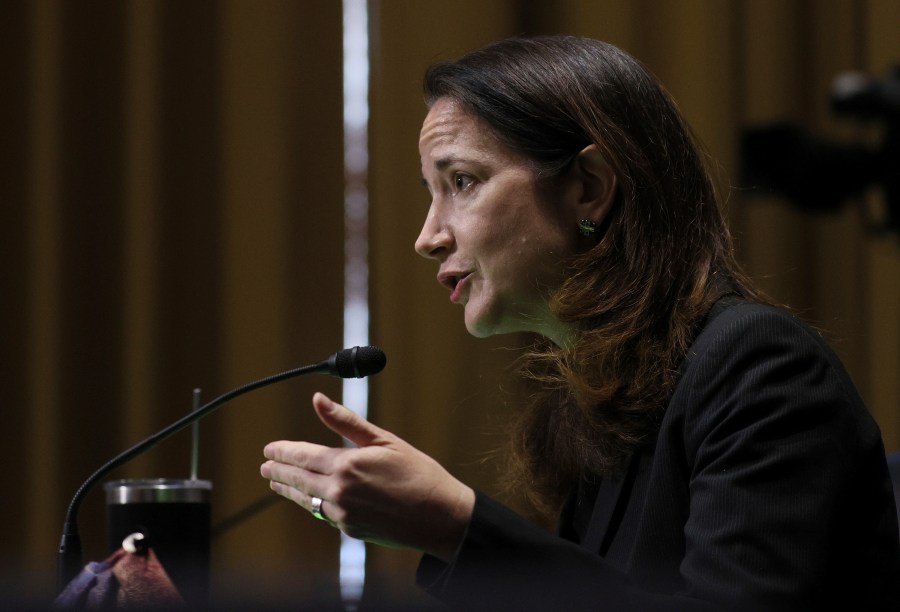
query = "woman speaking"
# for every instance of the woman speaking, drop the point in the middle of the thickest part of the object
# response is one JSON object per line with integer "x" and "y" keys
{"x": 702, "y": 449}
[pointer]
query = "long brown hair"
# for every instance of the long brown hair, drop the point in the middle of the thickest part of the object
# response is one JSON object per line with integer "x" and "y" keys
{"x": 637, "y": 296}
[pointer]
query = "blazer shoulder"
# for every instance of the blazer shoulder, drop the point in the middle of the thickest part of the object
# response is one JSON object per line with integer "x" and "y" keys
{"x": 756, "y": 362}
{"x": 748, "y": 332}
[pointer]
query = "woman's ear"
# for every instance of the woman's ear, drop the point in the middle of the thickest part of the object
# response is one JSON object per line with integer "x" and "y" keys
{"x": 598, "y": 182}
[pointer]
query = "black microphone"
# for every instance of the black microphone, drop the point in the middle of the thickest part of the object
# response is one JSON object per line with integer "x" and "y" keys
{"x": 356, "y": 362}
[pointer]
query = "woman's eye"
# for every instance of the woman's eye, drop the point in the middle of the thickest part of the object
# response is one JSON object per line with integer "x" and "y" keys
{"x": 462, "y": 181}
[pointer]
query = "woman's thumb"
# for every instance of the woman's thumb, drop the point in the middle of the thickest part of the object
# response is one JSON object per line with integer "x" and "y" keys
{"x": 345, "y": 422}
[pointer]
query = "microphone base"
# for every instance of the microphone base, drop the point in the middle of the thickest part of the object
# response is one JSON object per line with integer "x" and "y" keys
{"x": 69, "y": 562}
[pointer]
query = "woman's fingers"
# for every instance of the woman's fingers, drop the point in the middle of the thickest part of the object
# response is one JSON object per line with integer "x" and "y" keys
{"x": 300, "y": 470}
{"x": 307, "y": 501}
{"x": 303, "y": 455}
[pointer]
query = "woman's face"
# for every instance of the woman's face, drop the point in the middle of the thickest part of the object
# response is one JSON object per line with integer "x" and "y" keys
{"x": 501, "y": 241}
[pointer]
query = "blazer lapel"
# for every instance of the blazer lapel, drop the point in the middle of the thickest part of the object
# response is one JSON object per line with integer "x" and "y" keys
{"x": 608, "y": 508}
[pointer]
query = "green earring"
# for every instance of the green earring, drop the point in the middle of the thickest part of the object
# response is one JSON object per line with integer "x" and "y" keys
{"x": 587, "y": 227}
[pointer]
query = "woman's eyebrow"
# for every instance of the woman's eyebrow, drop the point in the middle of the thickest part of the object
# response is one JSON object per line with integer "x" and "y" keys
{"x": 445, "y": 162}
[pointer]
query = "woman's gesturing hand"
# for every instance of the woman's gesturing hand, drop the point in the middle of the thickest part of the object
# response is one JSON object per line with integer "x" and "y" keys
{"x": 385, "y": 491}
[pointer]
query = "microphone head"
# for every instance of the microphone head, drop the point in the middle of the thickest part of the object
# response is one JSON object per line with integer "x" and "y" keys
{"x": 357, "y": 362}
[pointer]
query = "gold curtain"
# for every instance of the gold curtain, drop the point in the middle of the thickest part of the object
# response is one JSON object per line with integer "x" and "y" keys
{"x": 172, "y": 188}
{"x": 172, "y": 219}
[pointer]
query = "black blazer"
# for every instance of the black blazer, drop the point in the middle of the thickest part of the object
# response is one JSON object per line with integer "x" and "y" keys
{"x": 766, "y": 489}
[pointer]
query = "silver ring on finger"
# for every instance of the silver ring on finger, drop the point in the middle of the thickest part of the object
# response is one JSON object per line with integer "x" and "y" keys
{"x": 316, "y": 509}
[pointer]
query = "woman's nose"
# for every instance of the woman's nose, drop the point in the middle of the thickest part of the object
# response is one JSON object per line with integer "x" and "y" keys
{"x": 434, "y": 240}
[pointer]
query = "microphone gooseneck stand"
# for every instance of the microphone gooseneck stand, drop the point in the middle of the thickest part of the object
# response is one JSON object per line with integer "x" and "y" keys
{"x": 356, "y": 362}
